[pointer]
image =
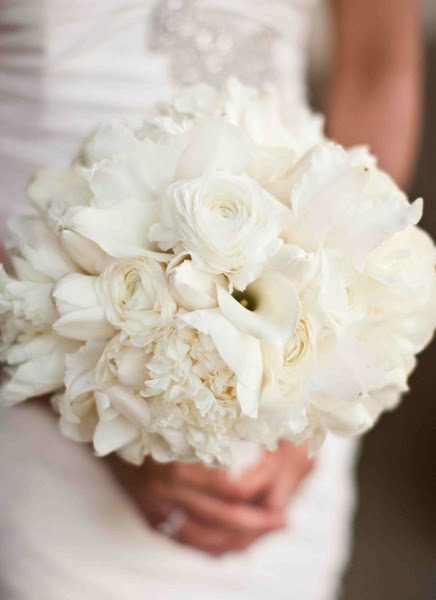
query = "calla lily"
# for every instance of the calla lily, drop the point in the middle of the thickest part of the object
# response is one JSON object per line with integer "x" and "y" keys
{"x": 133, "y": 406}
{"x": 274, "y": 311}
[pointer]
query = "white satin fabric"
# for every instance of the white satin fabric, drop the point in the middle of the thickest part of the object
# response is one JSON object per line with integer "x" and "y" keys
{"x": 67, "y": 532}
{"x": 67, "y": 65}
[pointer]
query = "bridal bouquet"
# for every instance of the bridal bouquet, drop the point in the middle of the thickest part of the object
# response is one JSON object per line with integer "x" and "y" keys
{"x": 222, "y": 273}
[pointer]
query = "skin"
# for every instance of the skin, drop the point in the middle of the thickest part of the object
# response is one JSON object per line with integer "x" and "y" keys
{"x": 374, "y": 98}
{"x": 375, "y": 91}
{"x": 220, "y": 513}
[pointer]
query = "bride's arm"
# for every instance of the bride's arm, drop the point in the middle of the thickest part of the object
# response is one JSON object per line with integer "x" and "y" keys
{"x": 375, "y": 88}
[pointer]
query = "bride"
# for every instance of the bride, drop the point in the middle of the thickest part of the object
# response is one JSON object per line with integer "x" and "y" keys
{"x": 74, "y": 527}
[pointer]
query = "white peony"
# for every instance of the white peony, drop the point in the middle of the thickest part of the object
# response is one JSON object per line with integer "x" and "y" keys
{"x": 193, "y": 395}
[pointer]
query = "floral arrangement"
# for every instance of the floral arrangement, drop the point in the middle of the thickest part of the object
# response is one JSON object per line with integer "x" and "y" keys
{"x": 222, "y": 273}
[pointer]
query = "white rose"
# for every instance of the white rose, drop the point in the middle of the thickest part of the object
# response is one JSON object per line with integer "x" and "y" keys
{"x": 134, "y": 296}
{"x": 227, "y": 223}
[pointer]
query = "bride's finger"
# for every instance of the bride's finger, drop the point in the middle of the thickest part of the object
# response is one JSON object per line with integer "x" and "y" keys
{"x": 212, "y": 540}
{"x": 250, "y": 484}
{"x": 292, "y": 472}
{"x": 233, "y": 515}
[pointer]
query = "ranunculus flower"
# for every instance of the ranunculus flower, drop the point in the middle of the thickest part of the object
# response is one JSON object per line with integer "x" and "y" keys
{"x": 134, "y": 296}
{"x": 227, "y": 223}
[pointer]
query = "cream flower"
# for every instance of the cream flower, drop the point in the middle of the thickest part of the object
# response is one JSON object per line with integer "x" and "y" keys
{"x": 134, "y": 296}
{"x": 36, "y": 366}
{"x": 193, "y": 394}
{"x": 227, "y": 223}
{"x": 267, "y": 310}
{"x": 119, "y": 188}
{"x": 190, "y": 288}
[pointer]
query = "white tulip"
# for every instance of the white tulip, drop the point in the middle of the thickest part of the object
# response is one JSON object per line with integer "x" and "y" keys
{"x": 122, "y": 363}
{"x": 81, "y": 316}
{"x": 112, "y": 435}
{"x": 90, "y": 257}
{"x": 190, "y": 288}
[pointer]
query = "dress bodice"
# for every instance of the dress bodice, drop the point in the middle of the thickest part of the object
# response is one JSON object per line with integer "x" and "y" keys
{"x": 66, "y": 66}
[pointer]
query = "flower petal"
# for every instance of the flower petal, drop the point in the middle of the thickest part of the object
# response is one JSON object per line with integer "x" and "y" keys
{"x": 277, "y": 310}
{"x": 240, "y": 352}
{"x": 113, "y": 435}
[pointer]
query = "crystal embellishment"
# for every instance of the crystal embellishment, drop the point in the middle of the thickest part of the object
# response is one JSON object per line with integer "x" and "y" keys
{"x": 211, "y": 45}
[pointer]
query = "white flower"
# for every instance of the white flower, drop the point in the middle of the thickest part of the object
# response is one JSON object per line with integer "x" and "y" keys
{"x": 190, "y": 288}
{"x": 134, "y": 296}
{"x": 25, "y": 307}
{"x": 36, "y": 367}
{"x": 397, "y": 292}
{"x": 239, "y": 351}
{"x": 116, "y": 199}
{"x": 193, "y": 393}
{"x": 35, "y": 251}
{"x": 122, "y": 363}
{"x": 101, "y": 402}
{"x": 227, "y": 223}
{"x": 268, "y": 309}
{"x": 256, "y": 112}
{"x": 341, "y": 205}
{"x": 81, "y": 317}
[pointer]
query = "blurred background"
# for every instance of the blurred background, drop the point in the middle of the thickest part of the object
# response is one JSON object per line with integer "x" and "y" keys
{"x": 394, "y": 556}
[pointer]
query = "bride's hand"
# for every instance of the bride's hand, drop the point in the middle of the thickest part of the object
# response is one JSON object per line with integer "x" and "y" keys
{"x": 215, "y": 512}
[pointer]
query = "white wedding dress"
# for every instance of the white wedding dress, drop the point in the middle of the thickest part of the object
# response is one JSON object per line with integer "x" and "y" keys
{"x": 67, "y": 532}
